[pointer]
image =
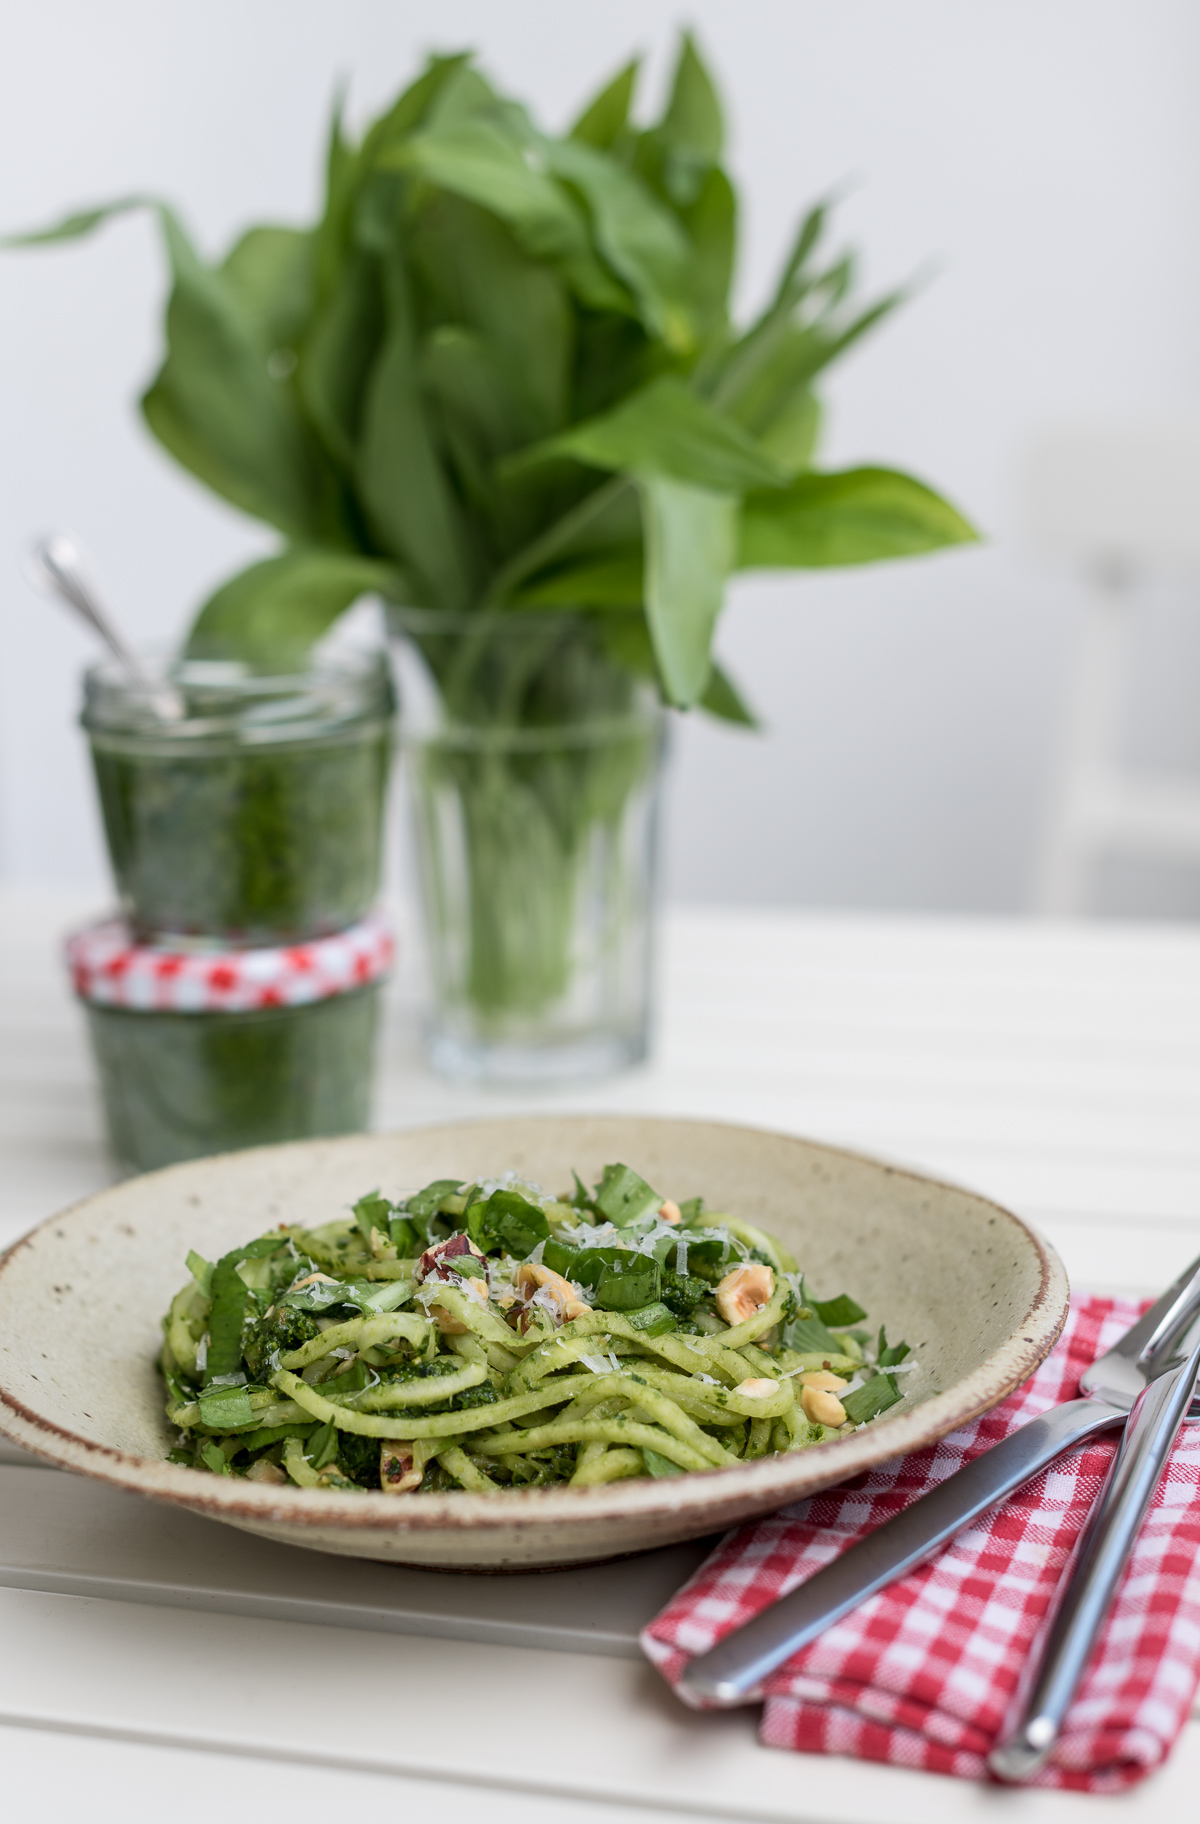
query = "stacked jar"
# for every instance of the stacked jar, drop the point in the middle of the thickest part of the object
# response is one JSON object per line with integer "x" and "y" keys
{"x": 234, "y": 1002}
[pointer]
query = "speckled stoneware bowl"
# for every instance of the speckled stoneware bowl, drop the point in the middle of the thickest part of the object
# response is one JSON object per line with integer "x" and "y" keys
{"x": 976, "y": 1292}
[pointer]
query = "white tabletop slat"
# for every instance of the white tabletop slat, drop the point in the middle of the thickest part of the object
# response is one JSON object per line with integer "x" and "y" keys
{"x": 1056, "y": 1068}
{"x": 503, "y": 1718}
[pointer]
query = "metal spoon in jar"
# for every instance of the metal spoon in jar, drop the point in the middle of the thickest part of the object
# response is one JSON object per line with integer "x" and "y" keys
{"x": 57, "y": 565}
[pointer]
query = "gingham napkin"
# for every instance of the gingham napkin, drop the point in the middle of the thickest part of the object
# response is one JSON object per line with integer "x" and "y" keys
{"x": 922, "y": 1674}
{"x": 110, "y": 969}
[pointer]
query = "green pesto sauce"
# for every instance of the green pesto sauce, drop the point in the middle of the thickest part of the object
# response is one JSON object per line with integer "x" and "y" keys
{"x": 252, "y": 844}
{"x": 181, "y": 1085}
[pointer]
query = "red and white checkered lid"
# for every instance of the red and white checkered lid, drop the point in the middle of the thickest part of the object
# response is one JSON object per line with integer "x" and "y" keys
{"x": 110, "y": 970}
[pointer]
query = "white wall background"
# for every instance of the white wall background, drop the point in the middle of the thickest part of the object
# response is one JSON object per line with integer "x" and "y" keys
{"x": 1046, "y": 154}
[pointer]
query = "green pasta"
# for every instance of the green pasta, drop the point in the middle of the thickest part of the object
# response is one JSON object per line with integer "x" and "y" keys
{"x": 486, "y": 1337}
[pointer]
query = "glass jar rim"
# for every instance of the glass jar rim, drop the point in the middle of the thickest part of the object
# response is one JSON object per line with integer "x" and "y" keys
{"x": 456, "y": 638}
{"x": 231, "y": 700}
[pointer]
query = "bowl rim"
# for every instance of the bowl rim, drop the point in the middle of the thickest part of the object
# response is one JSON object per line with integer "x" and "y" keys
{"x": 767, "y": 1482}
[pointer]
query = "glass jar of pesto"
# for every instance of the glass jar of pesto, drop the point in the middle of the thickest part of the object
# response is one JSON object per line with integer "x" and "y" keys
{"x": 254, "y": 817}
{"x": 204, "y": 1050}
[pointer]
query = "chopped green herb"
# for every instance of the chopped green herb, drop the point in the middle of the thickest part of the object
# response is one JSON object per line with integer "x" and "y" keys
{"x": 509, "y": 1221}
{"x": 809, "y": 1336}
{"x": 888, "y": 1357}
{"x": 428, "y": 1202}
{"x": 653, "y": 1320}
{"x": 372, "y": 1212}
{"x": 839, "y": 1313}
{"x": 404, "y": 1237}
{"x": 200, "y": 1269}
{"x": 322, "y": 1447}
{"x": 226, "y": 1408}
{"x": 357, "y": 1294}
{"x": 622, "y": 1196}
{"x": 626, "y": 1281}
{"x": 872, "y": 1398}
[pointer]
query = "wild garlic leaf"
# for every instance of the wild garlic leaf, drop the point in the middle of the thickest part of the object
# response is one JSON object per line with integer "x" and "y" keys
{"x": 218, "y": 409}
{"x": 270, "y": 614}
{"x": 339, "y": 354}
{"x": 330, "y": 233}
{"x": 414, "y": 105}
{"x": 691, "y": 545}
{"x": 710, "y": 223}
{"x": 666, "y": 429}
{"x": 691, "y": 131}
{"x": 858, "y": 516}
{"x": 723, "y": 699}
{"x": 79, "y": 223}
{"x": 615, "y": 580}
{"x": 634, "y": 234}
{"x": 626, "y": 638}
{"x": 214, "y": 403}
{"x": 472, "y": 274}
{"x": 794, "y": 281}
{"x": 605, "y": 118}
{"x": 463, "y": 95}
{"x": 805, "y": 306}
{"x": 271, "y": 272}
{"x": 874, "y": 1396}
{"x": 409, "y": 502}
{"x": 485, "y": 162}
{"x": 790, "y": 436}
{"x": 781, "y": 356}
{"x": 484, "y": 414}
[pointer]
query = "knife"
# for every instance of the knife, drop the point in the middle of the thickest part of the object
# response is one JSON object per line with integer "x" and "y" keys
{"x": 1103, "y": 1552}
{"x": 1110, "y": 1387}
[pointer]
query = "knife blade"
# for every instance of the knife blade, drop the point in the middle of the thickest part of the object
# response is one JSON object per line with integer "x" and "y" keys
{"x": 729, "y": 1671}
{"x": 1062, "y": 1657}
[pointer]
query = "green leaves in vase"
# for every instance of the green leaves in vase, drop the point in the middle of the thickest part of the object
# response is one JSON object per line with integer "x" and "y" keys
{"x": 499, "y": 372}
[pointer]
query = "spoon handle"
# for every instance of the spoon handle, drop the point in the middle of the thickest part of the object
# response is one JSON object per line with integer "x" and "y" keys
{"x": 60, "y": 561}
{"x": 57, "y": 561}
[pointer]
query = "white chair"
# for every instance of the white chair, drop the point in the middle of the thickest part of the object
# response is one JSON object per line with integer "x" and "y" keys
{"x": 1121, "y": 504}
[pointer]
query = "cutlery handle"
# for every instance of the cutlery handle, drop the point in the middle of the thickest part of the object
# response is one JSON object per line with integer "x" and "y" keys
{"x": 1102, "y": 1555}
{"x": 736, "y": 1664}
{"x": 1160, "y": 1330}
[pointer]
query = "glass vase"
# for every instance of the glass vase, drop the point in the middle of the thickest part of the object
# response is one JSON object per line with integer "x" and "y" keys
{"x": 533, "y": 761}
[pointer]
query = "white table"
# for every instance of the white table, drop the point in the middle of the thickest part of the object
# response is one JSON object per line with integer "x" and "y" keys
{"x": 1055, "y": 1067}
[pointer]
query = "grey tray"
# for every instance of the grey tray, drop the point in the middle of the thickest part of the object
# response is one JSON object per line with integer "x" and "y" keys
{"x": 74, "y": 1537}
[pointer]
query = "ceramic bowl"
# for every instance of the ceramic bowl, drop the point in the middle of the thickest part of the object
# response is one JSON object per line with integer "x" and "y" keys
{"x": 979, "y": 1296}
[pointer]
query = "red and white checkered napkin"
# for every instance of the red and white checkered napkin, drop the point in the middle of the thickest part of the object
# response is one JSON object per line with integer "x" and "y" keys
{"x": 922, "y": 1674}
